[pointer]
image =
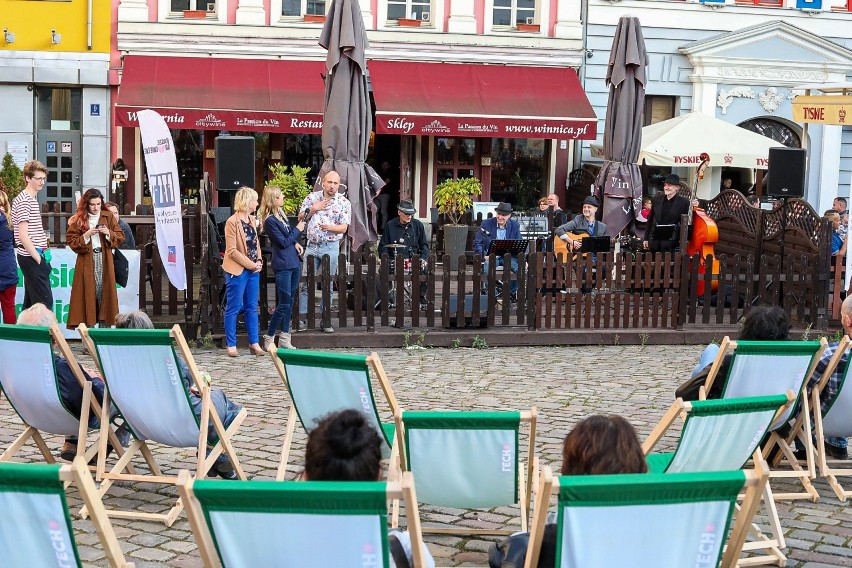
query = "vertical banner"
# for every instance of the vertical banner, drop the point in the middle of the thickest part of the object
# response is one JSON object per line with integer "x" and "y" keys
{"x": 159, "y": 150}
{"x": 848, "y": 253}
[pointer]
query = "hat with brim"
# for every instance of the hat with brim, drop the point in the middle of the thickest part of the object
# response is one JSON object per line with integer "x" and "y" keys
{"x": 406, "y": 207}
{"x": 591, "y": 200}
{"x": 504, "y": 208}
{"x": 673, "y": 179}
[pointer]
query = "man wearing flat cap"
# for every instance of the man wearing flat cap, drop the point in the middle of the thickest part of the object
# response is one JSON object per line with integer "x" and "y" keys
{"x": 666, "y": 209}
{"x": 500, "y": 227}
{"x": 407, "y": 231}
{"x": 584, "y": 224}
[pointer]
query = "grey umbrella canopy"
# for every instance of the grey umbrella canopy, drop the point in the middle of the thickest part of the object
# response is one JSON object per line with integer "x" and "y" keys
{"x": 347, "y": 116}
{"x": 619, "y": 184}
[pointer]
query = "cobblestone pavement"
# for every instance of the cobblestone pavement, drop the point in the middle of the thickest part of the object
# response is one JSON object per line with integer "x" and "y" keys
{"x": 565, "y": 383}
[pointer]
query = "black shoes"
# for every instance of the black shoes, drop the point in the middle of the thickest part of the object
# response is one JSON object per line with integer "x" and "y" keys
{"x": 224, "y": 470}
{"x": 836, "y": 453}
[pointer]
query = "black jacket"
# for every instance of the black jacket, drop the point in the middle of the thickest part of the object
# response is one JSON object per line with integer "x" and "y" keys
{"x": 663, "y": 213}
{"x": 413, "y": 235}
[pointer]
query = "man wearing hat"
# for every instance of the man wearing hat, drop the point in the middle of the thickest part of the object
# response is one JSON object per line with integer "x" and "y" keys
{"x": 409, "y": 232}
{"x": 584, "y": 224}
{"x": 666, "y": 209}
{"x": 500, "y": 227}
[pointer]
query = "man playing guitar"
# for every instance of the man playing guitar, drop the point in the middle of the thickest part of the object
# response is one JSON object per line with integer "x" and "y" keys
{"x": 574, "y": 230}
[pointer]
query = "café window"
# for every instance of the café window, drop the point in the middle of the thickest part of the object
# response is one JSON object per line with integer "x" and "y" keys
{"x": 181, "y": 5}
{"x": 774, "y": 129}
{"x": 414, "y": 9}
{"x": 518, "y": 171}
{"x": 510, "y": 13}
{"x": 456, "y": 158}
{"x": 658, "y": 108}
{"x": 298, "y": 8}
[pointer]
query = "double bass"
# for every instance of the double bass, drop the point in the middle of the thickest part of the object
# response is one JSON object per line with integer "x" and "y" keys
{"x": 705, "y": 234}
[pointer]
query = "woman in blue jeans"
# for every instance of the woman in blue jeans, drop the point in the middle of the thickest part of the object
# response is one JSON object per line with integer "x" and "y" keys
{"x": 242, "y": 265}
{"x": 285, "y": 262}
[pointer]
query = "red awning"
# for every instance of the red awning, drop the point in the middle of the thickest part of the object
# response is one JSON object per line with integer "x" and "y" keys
{"x": 453, "y": 99}
{"x": 265, "y": 95}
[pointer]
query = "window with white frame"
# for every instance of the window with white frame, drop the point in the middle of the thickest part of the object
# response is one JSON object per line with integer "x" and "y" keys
{"x": 510, "y": 13}
{"x": 302, "y": 7}
{"x": 414, "y": 9}
{"x": 181, "y": 5}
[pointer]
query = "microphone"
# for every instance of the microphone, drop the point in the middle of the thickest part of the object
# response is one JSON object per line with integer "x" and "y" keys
{"x": 487, "y": 234}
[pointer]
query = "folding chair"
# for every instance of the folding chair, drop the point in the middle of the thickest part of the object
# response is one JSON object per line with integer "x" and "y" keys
{"x": 835, "y": 419}
{"x": 760, "y": 368}
{"x": 142, "y": 376}
{"x": 721, "y": 435}
{"x": 27, "y": 355}
{"x": 322, "y": 383}
{"x": 665, "y": 520}
{"x": 35, "y": 529}
{"x": 322, "y": 524}
{"x": 469, "y": 460}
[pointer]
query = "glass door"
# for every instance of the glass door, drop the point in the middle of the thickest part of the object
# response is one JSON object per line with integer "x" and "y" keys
{"x": 456, "y": 158}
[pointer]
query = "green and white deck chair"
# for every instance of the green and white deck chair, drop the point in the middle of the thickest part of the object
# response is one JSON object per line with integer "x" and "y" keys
{"x": 469, "y": 460}
{"x": 142, "y": 377}
{"x": 321, "y": 524}
{"x": 721, "y": 435}
{"x": 28, "y": 377}
{"x": 35, "y": 527}
{"x": 646, "y": 519}
{"x": 835, "y": 421}
{"x": 322, "y": 383}
{"x": 762, "y": 368}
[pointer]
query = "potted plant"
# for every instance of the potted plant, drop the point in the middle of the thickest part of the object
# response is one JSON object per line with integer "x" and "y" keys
{"x": 195, "y": 14}
{"x": 453, "y": 198}
{"x": 11, "y": 177}
{"x": 315, "y": 18}
{"x": 528, "y": 27}
{"x": 293, "y": 184}
{"x": 408, "y": 22}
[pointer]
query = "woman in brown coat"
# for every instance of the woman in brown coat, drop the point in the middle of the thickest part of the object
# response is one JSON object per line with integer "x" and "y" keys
{"x": 92, "y": 234}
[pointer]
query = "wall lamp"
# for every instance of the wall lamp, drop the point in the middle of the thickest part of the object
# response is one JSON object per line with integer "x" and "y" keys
{"x": 8, "y": 36}
{"x": 55, "y": 38}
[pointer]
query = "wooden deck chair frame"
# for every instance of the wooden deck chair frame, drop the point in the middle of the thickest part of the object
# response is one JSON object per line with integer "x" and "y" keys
{"x": 801, "y": 428}
{"x": 717, "y": 461}
{"x": 308, "y": 358}
{"x": 269, "y": 500}
{"x": 527, "y": 472}
{"x": 828, "y": 466}
{"x": 203, "y": 461}
{"x": 89, "y": 406}
{"x": 53, "y": 480}
{"x": 639, "y": 487}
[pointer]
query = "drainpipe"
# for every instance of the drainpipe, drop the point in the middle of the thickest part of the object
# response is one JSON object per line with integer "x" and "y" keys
{"x": 584, "y": 18}
{"x": 89, "y": 24}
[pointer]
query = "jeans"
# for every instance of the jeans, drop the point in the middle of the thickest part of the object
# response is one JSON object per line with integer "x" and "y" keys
{"x": 286, "y": 283}
{"x": 513, "y": 266}
{"x": 241, "y": 293}
{"x": 317, "y": 251}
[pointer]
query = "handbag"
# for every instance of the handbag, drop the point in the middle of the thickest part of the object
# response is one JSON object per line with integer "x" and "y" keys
{"x": 121, "y": 267}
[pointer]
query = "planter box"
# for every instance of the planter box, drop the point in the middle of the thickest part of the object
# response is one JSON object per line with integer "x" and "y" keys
{"x": 195, "y": 14}
{"x": 408, "y": 22}
{"x": 315, "y": 18}
{"x": 529, "y": 28}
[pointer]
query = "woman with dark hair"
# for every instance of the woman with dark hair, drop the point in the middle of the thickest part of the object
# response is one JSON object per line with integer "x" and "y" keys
{"x": 8, "y": 265}
{"x": 598, "y": 445}
{"x": 92, "y": 233}
{"x": 346, "y": 447}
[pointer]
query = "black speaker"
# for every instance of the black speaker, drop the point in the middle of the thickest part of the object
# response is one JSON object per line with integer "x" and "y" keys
{"x": 234, "y": 162}
{"x": 786, "y": 172}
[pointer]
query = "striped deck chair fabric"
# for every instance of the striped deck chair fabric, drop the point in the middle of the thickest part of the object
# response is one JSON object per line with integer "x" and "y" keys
{"x": 661, "y": 520}
{"x": 322, "y": 383}
{"x": 469, "y": 460}
{"x": 322, "y": 524}
{"x": 35, "y": 529}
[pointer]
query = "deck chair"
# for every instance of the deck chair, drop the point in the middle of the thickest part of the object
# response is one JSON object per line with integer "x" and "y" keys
{"x": 665, "y": 520}
{"x": 35, "y": 527}
{"x": 141, "y": 373}
{"x": 721, "y": 435}
{"x": 469, "y": 460}
{"x": 834, "y": 420}
{"x": 322, "y": 524}
{"x": 322, "y": 383}
{"x": 27, "y": 355}
{"x": 760, "y": 368}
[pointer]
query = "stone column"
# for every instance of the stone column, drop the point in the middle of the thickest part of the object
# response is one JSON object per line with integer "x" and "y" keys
{"x": 133, "y": 11}
{"x": 251, "y": 13}
{"x": 568, "y": 25}
{"x": 462, "y": 18}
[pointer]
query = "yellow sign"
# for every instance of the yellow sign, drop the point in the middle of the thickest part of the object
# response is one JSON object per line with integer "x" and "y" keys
{"x": 823, "y": 109}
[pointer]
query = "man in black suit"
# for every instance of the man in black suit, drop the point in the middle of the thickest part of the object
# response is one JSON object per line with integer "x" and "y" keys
{"x": 666, "y": 209}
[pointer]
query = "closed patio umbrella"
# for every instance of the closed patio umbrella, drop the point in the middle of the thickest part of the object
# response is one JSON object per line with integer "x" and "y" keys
{"x": 619, "y": 183}
{"x": 347, "y": 116}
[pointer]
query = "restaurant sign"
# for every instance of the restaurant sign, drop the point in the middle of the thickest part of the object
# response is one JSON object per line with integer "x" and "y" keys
{"x": 252, "y": 121}
{"x": 479, "y": 126}
{"x": 823, "y": 109}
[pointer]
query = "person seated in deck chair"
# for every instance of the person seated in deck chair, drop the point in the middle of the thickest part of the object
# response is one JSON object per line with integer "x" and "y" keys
{"x": 346, "y": 447}
{"x": 763, "y": 323}
{"x": 225, "y": 408}
{"x": 598, "y": 445}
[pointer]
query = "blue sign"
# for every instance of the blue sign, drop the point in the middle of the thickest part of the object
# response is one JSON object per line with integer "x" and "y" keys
{"x": 51, "y": 147}
{"x": 809, "y": 4}
{"x": 94, "y": 109}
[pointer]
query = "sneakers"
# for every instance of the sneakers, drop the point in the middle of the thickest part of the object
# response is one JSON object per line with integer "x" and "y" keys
{"x": 303, "y": 326}
{"x": 328, "y": 329}
{"x": 224, "y": 470}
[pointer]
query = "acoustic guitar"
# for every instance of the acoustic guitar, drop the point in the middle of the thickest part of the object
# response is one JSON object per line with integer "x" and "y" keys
{"x": 560, "y": 246}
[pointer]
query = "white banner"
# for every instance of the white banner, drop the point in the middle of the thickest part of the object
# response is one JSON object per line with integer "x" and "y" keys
{"x": 61, "y": 277}
{"x": 159, "y": 150}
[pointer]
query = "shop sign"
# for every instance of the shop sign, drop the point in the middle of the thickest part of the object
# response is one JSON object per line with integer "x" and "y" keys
{"x": 823, "y": 109}
{"x": 413, "y": 125}
{"x": 298, "y": 123}
{"x": 210, "y": 121}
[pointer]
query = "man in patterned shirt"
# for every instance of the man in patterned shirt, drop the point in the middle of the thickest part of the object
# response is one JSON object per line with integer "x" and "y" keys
{"x": 834, "y": 447}
{"x": 328, "y": 216}
{"x": 30, "y": 238}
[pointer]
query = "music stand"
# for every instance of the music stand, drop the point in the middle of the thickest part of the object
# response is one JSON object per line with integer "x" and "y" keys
{"x": 664, "y": 233}
{"x": 595, "y": 244}
{"x": 500, "y": 247}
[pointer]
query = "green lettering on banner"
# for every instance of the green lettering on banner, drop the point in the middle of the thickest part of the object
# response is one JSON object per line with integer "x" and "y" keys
{"x": 61, "y": 276}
